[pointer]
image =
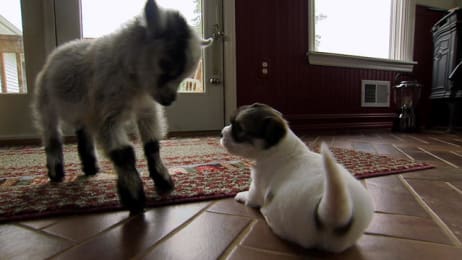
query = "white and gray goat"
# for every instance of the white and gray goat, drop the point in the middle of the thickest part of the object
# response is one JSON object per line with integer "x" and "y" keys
{"x": 96, "y": 86}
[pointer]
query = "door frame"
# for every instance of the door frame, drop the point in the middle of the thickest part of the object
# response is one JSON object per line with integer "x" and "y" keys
{"x": 16, "y": 122}
{"x": 230, "y": 76}
{"x": 40, "y": 38}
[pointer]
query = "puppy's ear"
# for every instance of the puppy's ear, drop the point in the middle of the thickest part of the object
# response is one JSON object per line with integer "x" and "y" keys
{"x": 275, "y": 130}
{"x": 153, "y": 17}
{"x": 256, "y": 105}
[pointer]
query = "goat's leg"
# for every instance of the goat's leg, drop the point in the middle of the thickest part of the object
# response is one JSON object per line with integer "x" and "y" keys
{"x": 86, "y": 149}
{"x": 54, "y": 154}
{"x": 151, "y": 126}
{"x": 48, "y": 124}
{"x": 129, "y": 185}
{"x": 157, "y": 171}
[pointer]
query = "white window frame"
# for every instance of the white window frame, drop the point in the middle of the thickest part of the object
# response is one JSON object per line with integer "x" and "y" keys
{"x": 403, "y": 11}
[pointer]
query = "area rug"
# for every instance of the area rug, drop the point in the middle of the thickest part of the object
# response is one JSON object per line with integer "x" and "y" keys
{"x": 200, "y": 167}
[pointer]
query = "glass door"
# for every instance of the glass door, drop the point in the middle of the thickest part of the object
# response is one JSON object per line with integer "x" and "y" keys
{"x": 200, "y": 103}
{"x": 30, "y": 30}
{"x": 14, "y": 93}
{"x": 27, "y": 36}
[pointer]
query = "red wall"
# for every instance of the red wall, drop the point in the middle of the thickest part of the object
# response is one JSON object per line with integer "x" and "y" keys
{"x": 311, "y": 97}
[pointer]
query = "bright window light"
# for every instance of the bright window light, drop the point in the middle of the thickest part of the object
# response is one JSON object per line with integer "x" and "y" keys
{"x": 354, "y": 27}
{"x": 370, "y": 34}
{"x": 105, "y": 16}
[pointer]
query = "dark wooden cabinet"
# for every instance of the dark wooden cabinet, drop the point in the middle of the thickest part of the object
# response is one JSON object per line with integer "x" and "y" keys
{"x": 447, "y": 54}
{"x": 442, "y": 63}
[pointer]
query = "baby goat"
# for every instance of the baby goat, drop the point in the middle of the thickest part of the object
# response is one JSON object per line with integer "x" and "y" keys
{"x": 97, "y": 86}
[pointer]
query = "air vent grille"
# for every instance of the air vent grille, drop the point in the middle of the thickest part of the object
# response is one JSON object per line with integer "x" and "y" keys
{"x": 375, "y": 93}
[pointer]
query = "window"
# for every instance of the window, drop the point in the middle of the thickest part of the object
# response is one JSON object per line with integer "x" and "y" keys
{"x": 12, "y": 69}
{"x": 374, "y": 34}
{"x": 122, "y": 11}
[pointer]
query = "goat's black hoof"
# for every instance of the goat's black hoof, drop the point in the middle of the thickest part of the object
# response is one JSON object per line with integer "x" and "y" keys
{"x": 90, "y": 170}
{"x": 56, "y": 174}
{"x": 133, "y": 200}
{"x": 163, "y": 186}
{"x": 136, "y": 211}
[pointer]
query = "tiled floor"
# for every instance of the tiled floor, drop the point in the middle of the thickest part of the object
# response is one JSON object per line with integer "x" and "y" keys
{"x": 418, "y": 215}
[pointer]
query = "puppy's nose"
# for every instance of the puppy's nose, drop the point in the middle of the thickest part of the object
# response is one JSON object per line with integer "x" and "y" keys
{"x": 223, "y": 131}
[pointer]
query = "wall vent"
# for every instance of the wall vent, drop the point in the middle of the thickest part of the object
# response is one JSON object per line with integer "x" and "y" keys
{"x": 375, "y": 93}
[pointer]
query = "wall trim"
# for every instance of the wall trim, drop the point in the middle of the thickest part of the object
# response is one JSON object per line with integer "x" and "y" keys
{"x": 341, "y": 127}
{"x": 348, "y": 61}
{"x": 230, "y": 92}
{"x": 340, "y": 116}
{"x": 340, "y": 122}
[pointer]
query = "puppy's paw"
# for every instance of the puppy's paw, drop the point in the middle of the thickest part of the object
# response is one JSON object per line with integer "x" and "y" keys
{"x": 242, "y": 197}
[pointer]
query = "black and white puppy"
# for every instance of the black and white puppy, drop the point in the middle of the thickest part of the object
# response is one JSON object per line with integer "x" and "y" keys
{"x": 305, "y": 197}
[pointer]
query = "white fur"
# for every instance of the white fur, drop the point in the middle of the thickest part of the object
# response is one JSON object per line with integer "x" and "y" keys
{"x": 288, "y": 182}
{"x": 99, "y": 86}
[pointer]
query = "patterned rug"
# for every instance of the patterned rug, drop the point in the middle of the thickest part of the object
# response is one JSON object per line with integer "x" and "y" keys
{"x": 200, "y": 167}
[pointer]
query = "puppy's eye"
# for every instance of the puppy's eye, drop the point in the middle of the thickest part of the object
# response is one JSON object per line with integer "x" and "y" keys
{"x": 235, "y": 131}
{"x": 238, "y": 133}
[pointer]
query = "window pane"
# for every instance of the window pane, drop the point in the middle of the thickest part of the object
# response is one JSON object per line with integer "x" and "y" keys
{"x": 355, "y": 27}
{"x": 120, "y": 11}
{"x": 12, "y": 69}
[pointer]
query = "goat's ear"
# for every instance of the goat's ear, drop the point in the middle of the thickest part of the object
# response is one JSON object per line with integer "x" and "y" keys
{"x": 275, "y": 130}
{"x": 152, "y": 15}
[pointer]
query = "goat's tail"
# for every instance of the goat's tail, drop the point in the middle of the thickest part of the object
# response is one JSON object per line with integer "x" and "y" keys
{"x": 44, "y": 113}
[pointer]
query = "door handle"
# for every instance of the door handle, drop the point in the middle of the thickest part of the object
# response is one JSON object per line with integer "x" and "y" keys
{"x": 215, "y": 80}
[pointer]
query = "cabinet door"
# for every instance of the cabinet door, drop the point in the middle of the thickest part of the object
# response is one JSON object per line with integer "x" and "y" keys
{"x": 441, "y": 63}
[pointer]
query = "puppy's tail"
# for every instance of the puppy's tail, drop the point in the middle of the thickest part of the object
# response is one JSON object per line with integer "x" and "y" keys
{"x": 335, "y": 208}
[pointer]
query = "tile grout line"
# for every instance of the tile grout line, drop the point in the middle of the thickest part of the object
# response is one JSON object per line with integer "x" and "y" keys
{"x": 397, "y": 137}
{"x": 238, "y": 239}
{"x": 375, "y": 146}
{"x": 454, "y": 187}
{"x": 432, "y": 213}
{"x": 172, "y": 233}
{"x": 415, "y": 240}
{"x": 439, "y": 158}
{"x": 36, "y": 228}
{"x": 410, "y": 239}
{"x": 418, "y": 139}
{"x": 444, "y": 142}
{"x": 81, "y": 242}
{"x": 397, "y": 214}
{"x": 279, "y": 253}
{"x": 231, "y": 214}
{"x": 42, "y": 232}
{"x": 403, "y": 152}
{"x": 456, "y": 153}
{"x": 49, "y": 225}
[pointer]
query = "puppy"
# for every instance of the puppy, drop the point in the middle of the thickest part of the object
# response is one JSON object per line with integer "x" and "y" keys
{"x": 305, "y": 197}
{"x": 97, "y": 86}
